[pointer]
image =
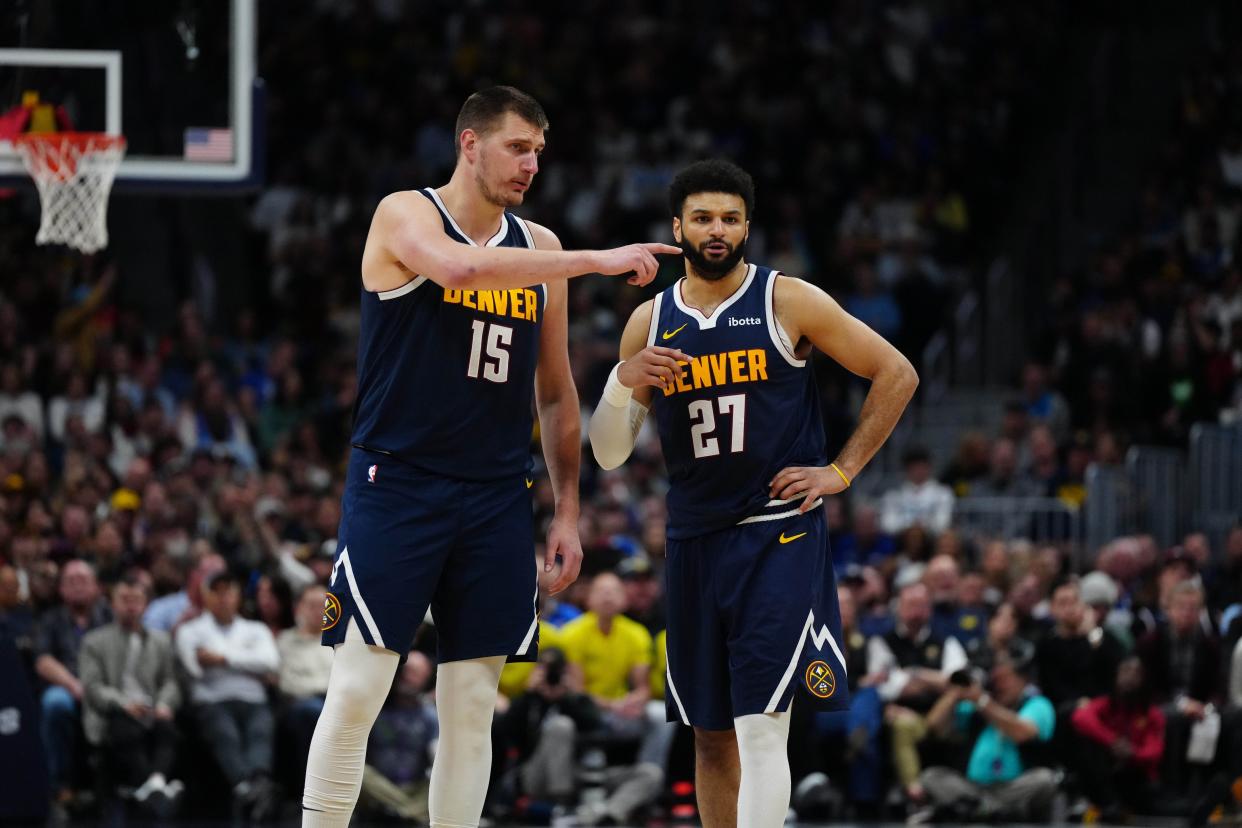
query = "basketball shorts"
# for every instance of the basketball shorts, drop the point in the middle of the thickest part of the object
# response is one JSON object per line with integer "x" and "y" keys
{"x": 752, "y": 620}
{"x": 410, "y": 539}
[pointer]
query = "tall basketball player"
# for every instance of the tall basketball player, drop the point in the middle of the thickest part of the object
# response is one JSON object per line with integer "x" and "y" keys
{"x": 722, "y": 357}
{"x": 463, "y": 319}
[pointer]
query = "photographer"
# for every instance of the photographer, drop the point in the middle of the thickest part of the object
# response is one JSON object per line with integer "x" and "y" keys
{"x": 1003, "y": 780}
{"x": 543, "y": 725}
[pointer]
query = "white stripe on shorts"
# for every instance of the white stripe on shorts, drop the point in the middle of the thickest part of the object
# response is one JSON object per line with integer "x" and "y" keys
{"x": 793, "y": 664}
{"x": 358, "y": 601}
{"x": 534, "y": 625}
{"x": 672, "y": 688}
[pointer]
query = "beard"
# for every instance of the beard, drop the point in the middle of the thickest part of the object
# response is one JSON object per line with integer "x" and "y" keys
{"x": 500, "y": 197}
{"x": 709, "y": 269}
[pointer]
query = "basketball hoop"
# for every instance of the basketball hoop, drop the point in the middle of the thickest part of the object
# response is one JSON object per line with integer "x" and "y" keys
{"x": 74, "y": 173}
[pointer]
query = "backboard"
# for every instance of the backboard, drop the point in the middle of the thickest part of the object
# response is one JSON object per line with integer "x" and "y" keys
{"x": 176, "y": 77}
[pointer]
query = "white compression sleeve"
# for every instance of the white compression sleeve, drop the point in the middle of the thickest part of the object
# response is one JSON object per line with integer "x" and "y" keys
{"x": 615, "y": 423}
{"x": 465, "y": 701}
{"x": 357, "y": 687}
{"x": 763, "y": 797}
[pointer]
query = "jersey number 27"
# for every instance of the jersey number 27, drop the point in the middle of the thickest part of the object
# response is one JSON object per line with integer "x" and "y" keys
{"x": 703, "y": 423}
{"x": 495, "y": 367}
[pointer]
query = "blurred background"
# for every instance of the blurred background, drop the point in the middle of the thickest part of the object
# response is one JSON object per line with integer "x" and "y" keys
{"x": 1037, "y": 203}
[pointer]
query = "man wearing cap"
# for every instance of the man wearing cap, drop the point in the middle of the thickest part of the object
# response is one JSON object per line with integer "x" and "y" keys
{"x": 227, "y": 658}
{"x": 643, "y": 599}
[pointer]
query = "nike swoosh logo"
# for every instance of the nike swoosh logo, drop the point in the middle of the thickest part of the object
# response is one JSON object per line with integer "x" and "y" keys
{"x": 791, "y": 539}
{"x": 671, "y": 334}
{"x": 529, "y": 483}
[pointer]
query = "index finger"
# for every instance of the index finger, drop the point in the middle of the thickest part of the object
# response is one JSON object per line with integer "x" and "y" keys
{"x": 670, "y": 352}
{"x": 661, "y": 247}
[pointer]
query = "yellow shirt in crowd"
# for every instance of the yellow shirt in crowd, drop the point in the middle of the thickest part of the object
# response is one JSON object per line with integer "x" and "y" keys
{"x": 515, "y": 675}
{"x": 659, "y": 667}
{"x": 606, "y": 660}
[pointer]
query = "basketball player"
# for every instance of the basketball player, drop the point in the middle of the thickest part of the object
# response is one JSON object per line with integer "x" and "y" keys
{"x": 463, "y": 317}
{"x": 722, "y": 356}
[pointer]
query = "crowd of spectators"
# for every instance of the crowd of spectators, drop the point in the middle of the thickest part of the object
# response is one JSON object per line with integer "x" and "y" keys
{"x": 169, "y": 488}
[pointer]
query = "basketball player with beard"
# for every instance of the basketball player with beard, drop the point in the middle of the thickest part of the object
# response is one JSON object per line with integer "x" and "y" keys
{"x": 722, "y": 357}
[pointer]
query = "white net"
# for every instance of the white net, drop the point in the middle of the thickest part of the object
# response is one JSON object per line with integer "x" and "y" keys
{"x": 74, "y": 173}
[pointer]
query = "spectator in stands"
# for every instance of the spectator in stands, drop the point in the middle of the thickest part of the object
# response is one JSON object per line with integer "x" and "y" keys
{"x": 1120, "y": 746}
{"x": 969, "y": 465}
{"x": 166, "y": 612}
{"x": 865, "y": 544}
{"x": 402, "y": 745}
{"x": 1002, "y": 639}
{"x": 1044, "y": 463}
{"x": 273, "y": 603}
{"x": 1004, "y": 478}
{"x": 644, "y": 599}
{"x": 614, "y": 654}
{"x": 872, "y": 304}
{"x": 1004, "y": 779}
{"x": 303, "y": 683}
{"x": 919, "y": 500}
{"x": 916, "y": 664}
{"x": 131, "y": 698}
{"x": 229, "y": 659}
{"x": 949, "y": 618}
{"x": 16, "y": 399}
{"x": 543, "y": 726}
{"x": 76, "y": 403}
{"x": 1181, "y": 660}
{"x": 1077, "y": 660}
{"x": 1100, "y": 594}
{"x": 58, "y": 641}
{"x": 1027, "y": 598}
{"x": 1043, "y": 404}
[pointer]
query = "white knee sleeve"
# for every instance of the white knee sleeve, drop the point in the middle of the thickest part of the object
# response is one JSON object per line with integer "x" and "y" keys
{"x": 763, "y": 798}
{"x": 361, "y": 677}
{"x": 465, "y": 701}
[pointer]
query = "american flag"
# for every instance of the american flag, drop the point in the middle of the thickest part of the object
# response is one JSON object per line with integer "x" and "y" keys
{"x": 203, "y": 144}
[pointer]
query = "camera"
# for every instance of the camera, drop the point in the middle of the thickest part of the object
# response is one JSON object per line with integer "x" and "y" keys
{"x": 965, "y": 677}
{"x": 553, "y": 667}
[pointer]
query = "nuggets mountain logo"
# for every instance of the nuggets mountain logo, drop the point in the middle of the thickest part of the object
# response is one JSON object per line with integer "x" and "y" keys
{"x": 331, "y": 612}
{"x": 819, "y": 680}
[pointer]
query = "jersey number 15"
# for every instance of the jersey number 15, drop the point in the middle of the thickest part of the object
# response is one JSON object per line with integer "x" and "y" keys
{"x": 495, "y": 367}
{"x": 703, "y": 423}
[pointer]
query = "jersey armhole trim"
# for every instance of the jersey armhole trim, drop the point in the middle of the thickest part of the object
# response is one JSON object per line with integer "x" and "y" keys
{"x": 655, "y": 319}
{"x": 780, "y": 338}
{"x": 530, "y": 245}
{"x": 396, "y": 293}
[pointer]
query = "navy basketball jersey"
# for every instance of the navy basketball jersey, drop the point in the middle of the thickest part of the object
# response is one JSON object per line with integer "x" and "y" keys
{"x": 446, "y": 377}
{"x": 742, "y": 410}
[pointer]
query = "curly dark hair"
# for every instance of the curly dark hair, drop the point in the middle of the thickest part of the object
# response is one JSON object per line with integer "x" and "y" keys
{"x": 713, "y": 176}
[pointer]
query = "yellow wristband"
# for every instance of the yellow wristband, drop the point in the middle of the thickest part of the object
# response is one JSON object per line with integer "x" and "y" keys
{"x": 837, "y": 469}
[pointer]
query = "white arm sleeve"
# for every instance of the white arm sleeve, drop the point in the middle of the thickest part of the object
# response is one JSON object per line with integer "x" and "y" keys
{"x": 615, "y": 424}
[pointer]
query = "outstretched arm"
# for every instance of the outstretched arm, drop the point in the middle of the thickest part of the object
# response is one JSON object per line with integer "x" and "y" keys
{"x": 806, "y": 311}
{"x": 407, "y": 240}
{"x": 561, "y": 432}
